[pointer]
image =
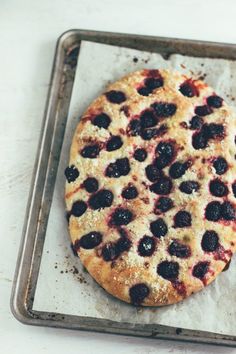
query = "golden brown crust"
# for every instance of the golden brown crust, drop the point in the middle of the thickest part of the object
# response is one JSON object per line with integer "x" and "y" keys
{"x": 129, "y": 268}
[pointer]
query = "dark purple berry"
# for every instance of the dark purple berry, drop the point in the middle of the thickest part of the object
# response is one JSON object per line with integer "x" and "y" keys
{"x": 148, "y": 119}
{"x": 199, "y": 141}
{"x": 159, "y": 228}
{"x": 200, "y": 269}
{"x": 168, "y": 270}
{"x": 178, "y": 169}
{"x": 188, "y": 88}
{"x": 213, "y": 130}
{"x": 144, "y": 91}
{"x": 154, "y": 82}
{"x": 129, "y": 192}
{"x": 189, "y": 187}
{"x": 119, "y": 168}
{"x": 227, "y": 211}
{"x": 140, "y": 155}
{"x": 148, "y": 134}
{"x": 112, "y": 170}
{"x": 134, "y": 127}
{"x": 152, "y": 173}
{"x": 90, "y": 151}
{"x": 234, "y": 189}
{"x": 109, "y": 252}
{"x": 210, "y": 241}
{"x": 179, "y": 250}
{"x": 91, "y": 184}
{"x": 215, "y": 101}
{"x": 78, "y": 208}
{"x": 114, "y": 143}
{"x": 220, "y": 165}
{"x": 71, "y": 173}
{"x": 196, "y": 123}
{"x": 112, "y": 250}
{"x": 182, "y": 219}
{"x": 203, "y": 110}
{"x": 218, "y": 188}
{"x": 116, "y": 96}
{"x": 163, "y": 204}
{"x": 162, "y": 161}
{"x": 163, "y": 186}
{"x": 122, "y": 245}
{"x": 90, "y": 240}
{"x": 138, "y": 293}
{"x": 164, "y": 110}
{"x": 146, "y": 246}
{"x": 102, "y": 199}
{"x": 213, "y": 211}
{"x": 102, "y": 120}
{"x": 165, "y": 149}
{"x": 121, "y": 216}
{"x": 123, "y": 166}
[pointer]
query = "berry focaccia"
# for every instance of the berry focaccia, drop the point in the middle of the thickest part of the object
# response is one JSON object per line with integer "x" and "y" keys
{"x": 151, "y": 190}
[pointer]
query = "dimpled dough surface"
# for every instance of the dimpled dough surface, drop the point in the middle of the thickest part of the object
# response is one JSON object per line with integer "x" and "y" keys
{"x": 150, "y": 193}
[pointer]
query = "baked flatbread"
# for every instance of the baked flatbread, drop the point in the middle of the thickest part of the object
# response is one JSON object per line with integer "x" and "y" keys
{"x": 151, "y": 191}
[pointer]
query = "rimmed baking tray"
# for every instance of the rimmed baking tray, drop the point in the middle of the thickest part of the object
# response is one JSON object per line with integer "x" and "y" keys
{"x": 44, "y": 177}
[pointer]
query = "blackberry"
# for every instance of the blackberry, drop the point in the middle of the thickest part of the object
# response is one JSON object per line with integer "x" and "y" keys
{"x": 179, "y": 250}
{"x": 213, "y": 211}
{"x": 114, "y": 143}
{"x": 215, "y": 101}
{"x": 220, "y": 165}
{"x": 71, "y": 173}
{"x": 140, "y": 155}
{"x": 178, "y": 169}
{"x": 189, "y": 187}
{"x": 146, "y": 246}
{"x": 91, "y": 184}
{"x": 159, "y": 228}
{"x": 101, "y": 120}
{"x": 138, "y": 293}
{"x": 218, "y": 188}
{"x": 116, "y": 96}
{"x": 102, "y": 199}
{"x": 129, "y": 192}
{"x": 90, "y": 240}
{"x": 121, "y": 216}
{"x": 168, "y": 270}
{"x": 90, "y": 151}
{"x": 182, "y": 219}
{"x": 163, "y": 186}
{"x": 210, "y": 241}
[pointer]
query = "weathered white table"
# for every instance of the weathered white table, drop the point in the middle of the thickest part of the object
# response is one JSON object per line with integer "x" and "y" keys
{"x": 28, "y": 31}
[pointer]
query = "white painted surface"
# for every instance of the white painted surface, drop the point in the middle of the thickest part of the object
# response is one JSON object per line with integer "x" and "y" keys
{"x": 28, "y": 31}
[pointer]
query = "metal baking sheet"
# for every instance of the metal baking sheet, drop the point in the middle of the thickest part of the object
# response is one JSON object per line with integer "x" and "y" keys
{"x": 44, "y": 179}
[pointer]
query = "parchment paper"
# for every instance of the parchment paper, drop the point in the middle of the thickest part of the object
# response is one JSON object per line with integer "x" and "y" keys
{"x": 63, "y": 285}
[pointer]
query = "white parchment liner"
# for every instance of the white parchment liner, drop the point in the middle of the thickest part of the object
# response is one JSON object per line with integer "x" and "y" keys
{"x": 63, "y": 286}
